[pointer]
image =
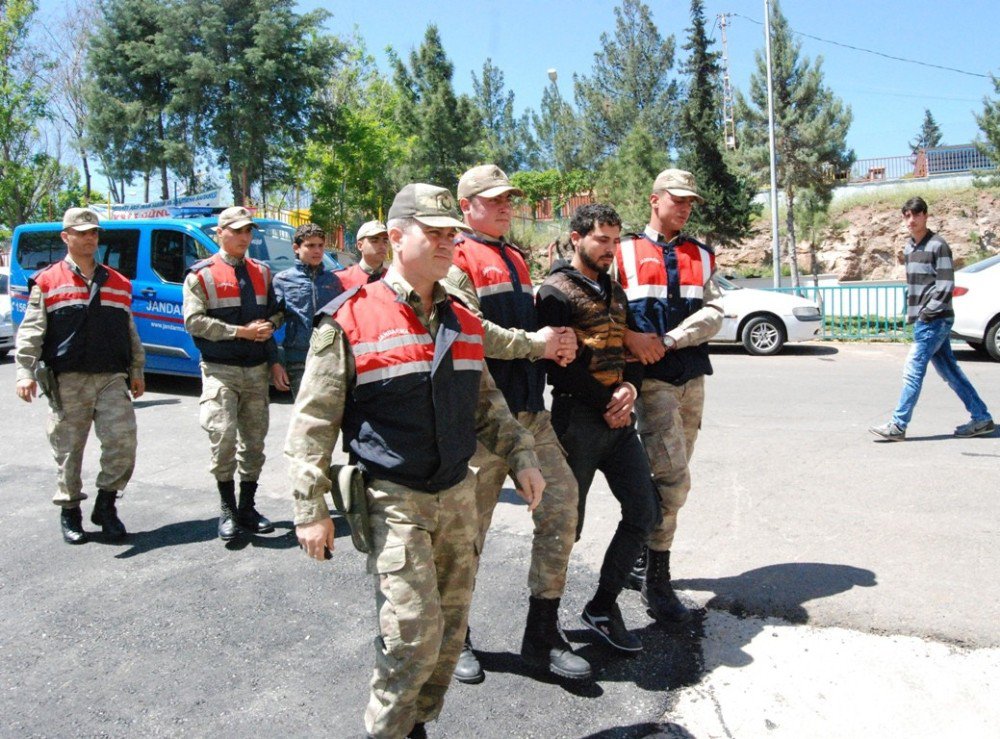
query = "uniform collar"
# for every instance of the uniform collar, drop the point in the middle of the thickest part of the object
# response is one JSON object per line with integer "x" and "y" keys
{"x": 230, "y": 259}
{"x": 653, "y": 235}
{"x": 405, "y": 290}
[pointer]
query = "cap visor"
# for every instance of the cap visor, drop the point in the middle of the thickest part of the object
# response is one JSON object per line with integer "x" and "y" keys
{"x": 685, "y": 194}
{"x": 241, "y": 223}
{"x": 441, "y": 222}
{"x": 83, "y": 227}
{"x": 499, "y": 190}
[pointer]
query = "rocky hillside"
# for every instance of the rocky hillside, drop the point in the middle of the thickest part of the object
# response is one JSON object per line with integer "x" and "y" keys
{"x": 865, "y": 241}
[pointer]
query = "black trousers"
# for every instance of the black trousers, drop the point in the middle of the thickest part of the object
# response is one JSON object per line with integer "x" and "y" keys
{"x": 591, "y": 446}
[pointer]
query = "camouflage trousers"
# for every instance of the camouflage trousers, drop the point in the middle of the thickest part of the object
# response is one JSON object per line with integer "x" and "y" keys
{"x": 234, "y": 412}
{"x": 669, "y": 417}
{"x": 101, "y": 400}
{"x": 424, "y": 564}
{"x": 554, "y": 518}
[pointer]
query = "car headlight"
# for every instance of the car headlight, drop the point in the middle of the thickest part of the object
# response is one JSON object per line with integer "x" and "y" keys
{"x": 806, "y": 313}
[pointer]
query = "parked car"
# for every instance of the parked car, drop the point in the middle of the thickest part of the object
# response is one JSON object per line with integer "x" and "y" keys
{"x": 6, "y": 323}
{"x": 976, "y": 302}
{"x": 155, "y": 254}
{"x": 763, "y": 320}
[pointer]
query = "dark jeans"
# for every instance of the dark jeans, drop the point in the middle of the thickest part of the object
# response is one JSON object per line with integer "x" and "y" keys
{"x": 591, "y": 446}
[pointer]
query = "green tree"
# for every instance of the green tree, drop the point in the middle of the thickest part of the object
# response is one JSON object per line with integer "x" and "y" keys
{"x": 556, "y": 142}
{"x": 252, "y": 71}
{"x": 630, "y": 85}
{"x": 811, "y": 125}
{"x": 28, "y": 173}
{"x": 725, "y": 216}
{"x": 929, "y": 135}
{"x": 503, "y": 141}
{"x": 352, "y": 159}
{"x": 444, "y": 127}
{"x": 989, "y": 124}
{"x": 626, "y": 179}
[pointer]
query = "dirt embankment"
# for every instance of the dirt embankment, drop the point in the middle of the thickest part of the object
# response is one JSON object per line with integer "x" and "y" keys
{"x": 866, "y": 242}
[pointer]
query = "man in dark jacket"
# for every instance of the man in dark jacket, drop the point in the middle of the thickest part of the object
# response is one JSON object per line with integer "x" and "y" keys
{"x": 304, "y": 289}
{"x": 593, "y": 399}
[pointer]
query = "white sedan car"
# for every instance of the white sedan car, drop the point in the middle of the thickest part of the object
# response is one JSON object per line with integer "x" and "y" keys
{"x": 976, "y": 302}
{"x": 763, "y": 320}
{"x": 6, "y": 325}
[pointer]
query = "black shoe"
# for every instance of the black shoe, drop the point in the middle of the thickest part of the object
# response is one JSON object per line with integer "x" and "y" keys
{"x": 658, "y": 594}
{"x": 543, "y": 645}
{"x": 637, "y": 575}
{"x": 467, "y": 669}
{"x": 418, "y": 731}
{"x": 247, "y": 515}
{"x": 105, "y": 515}
{"x": 611, "y": 627}
{"x": 228, "y": 530}
{"x": 71, "y": 522}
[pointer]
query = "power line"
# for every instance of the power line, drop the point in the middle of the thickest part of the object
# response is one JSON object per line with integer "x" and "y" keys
{"x": 870, "y": 51}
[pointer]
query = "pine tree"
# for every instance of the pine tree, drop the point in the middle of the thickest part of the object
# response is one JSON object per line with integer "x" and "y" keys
{"x": 811, "y": 125}
{"x": 929, "y": 135}
{"x": 503, "y": 141}
{"x": 725, "y": 216}
{"x": 989, "y": 124}
{"x": 444, "y": 127}
{"x": 630, "y": 85}
{"x": 556, "y": 141}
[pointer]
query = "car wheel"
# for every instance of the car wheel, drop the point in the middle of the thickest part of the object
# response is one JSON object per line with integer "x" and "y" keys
{"x": 763, "y": 335}
{"x": 992, "y": 342}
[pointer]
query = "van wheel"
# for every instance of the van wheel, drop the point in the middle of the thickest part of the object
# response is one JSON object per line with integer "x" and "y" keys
{"x": 763, "y": 335}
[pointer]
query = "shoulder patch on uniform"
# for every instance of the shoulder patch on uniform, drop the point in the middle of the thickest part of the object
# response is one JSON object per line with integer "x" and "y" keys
{"x": 324, "y": 336}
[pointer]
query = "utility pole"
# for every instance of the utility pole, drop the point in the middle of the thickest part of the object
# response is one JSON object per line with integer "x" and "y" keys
{"x": 775, "y": 243}
{"x": 728, "y": 114}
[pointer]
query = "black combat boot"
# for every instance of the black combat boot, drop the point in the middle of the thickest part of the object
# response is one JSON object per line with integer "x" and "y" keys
{"x": 637, "y": 575}
{"x": 246, "y": 515}
{"x": 467, "y": 669}
{"x": 71, "y": 521}
{"x": 106, "y": 516}
{"x": 658, "y": 594}
{"x": 543, "y": 644}
{"x": 227, "y": 510}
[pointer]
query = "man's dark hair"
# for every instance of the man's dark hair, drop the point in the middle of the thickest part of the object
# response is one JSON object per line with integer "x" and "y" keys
{"x": 914, "y": 205}
{"x": 587, "y": 217}
{"x": 307, "y": 231}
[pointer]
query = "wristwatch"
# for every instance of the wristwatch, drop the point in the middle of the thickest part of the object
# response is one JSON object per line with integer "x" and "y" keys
{"x": 670, "y": 343}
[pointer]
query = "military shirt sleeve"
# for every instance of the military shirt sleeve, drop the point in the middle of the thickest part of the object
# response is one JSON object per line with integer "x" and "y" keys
{"x": 31, "y": 336}
{"x": 316, "y": 420}
{"x": 498, "y": 342}
{"x": 196, "y": 319}
{"x": 704, "y": 323}
{"x": 498, "y": 431}
{"x": 138, "y": 354}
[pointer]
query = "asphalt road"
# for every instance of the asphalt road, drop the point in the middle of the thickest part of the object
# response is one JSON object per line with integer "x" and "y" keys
{"x": 801, "y": 531}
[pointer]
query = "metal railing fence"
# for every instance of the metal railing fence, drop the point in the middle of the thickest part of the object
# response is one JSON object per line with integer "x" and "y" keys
{"x": 853, "y": 312}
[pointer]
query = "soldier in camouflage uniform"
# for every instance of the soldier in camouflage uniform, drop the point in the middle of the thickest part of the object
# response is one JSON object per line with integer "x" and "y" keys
{"x": 231, "y": 311}
{"x": 491, "y": 277}
{"x": 398, "y": 366}
{"x": 79, "y": 324}
{"x": 667, "y": 277}
{"x": 592, "y": 405}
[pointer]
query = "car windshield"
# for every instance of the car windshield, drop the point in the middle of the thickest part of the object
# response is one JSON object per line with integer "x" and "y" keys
{"x": 725, "y": 284}
{"x": 980, "y": 266}
{"x": 272, "y": 243}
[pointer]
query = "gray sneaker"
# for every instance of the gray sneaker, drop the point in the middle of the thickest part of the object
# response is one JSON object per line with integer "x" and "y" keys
{"x": 975, "y": 428}
{"x": 889, "y": 432}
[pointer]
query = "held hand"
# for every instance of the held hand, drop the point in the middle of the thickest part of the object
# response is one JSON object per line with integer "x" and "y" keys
{"x": 279, "y": 377}
{"x": 530, "y": 485}
{"x": 26, "y": 390}
{"x": 314, "y": 537}
{"x": 138, "y": 387}
{"x": 264, "y": 329}
{"x": 647, "y": 348}
{"x": 560, "y": 344}
{"x": 619, "y": 410}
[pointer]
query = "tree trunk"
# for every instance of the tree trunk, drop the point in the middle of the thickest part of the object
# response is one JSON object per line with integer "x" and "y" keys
{"x": 793, "y": 257}
{"x": 146, "y": 177}
{"x": 86, "y": 176}
{"x": 164, "y": 185}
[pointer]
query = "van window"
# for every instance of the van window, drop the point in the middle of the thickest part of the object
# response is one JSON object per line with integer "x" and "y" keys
{"x": 119, "y": 249}
{"x": 174, "y": 252}
{"x": 37, "y": 249}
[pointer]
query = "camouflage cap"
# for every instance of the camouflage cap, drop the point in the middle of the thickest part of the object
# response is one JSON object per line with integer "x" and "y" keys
{"x": 371, "y": 228}
{"x": 677, "y": 182}
{"x": 236, "y": 217}
{"x": 432, "y": 206}
{"x": 487, "y": 180}
{"x": 80, "y": 219}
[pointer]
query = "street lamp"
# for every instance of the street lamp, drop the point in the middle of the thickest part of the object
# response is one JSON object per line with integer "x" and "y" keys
{"x": 553, "y": 75}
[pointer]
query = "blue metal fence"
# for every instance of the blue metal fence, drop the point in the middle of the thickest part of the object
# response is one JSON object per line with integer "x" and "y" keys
{"x": 866, "y": 312}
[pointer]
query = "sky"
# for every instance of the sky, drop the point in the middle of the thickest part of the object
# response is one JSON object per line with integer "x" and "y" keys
{"x": 526, "y": 38}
